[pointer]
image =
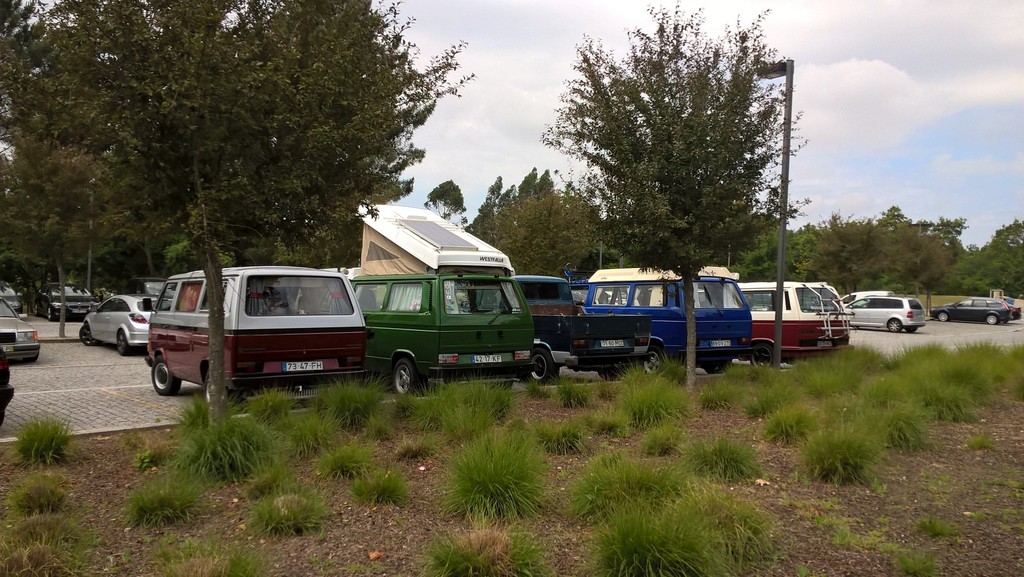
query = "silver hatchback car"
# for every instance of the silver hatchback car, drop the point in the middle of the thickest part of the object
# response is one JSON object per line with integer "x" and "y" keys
{"x": 889, "y": 312}
{"x": 120, "y": 320}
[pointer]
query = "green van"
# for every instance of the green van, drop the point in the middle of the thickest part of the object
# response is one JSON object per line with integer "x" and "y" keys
{"x": 444, "y": 327}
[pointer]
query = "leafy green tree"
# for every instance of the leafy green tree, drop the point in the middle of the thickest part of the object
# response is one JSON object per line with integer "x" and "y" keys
{"x": 446, "y": 200}
{"x": 680, "y": 137}
{"x": 849, "y": 251}
{"x": 270, "y": 120}
{"x": 483, "y": 223}
{"x": 543, "y": 231}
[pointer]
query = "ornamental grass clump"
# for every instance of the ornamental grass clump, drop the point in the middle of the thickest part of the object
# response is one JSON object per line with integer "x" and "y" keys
{"x": 486, "y": 552}
{"x": 563, "y": 438}
{"x": 191, "y": 558}
{"x": 270, "y": 406}
{"x": 719, "y": 395}
{"x": 195, "y": 416}
{"x": 293, "y": 513}
{"x": 945, "y": 402}
{"x": 611, "y": 422}
{"x": 416, "y": 448}
{"x": 496, "y": 400}
{"x": 37, "y": 493}
{"x": 55, "y": 529}
{"x": 500, "y": 475}
{"x": 935, "y": 527}
{"x": 766, "y": 400}
{"x": 349, "y": 404}
{"x": 228, "y": 450}
{"x": 461, "y": 422}
{"x": 43, "y": 442}
{"x": 840, "y": 454}
{"x": 723, "y": 459}
{"x": 905, "y": 427}
{"x": 790, "y": 424}
{"x": 572, "y": 394}
{"x": 612, "y": 481}
{"x": 310, "y": 432}
{"x": 744, "y": 530}
{"x": 651, "y": 404}
{"x": 662, "y": 441}
{"x": 381, "y": 487}
{"x": 162, "y": 501}
{"x": 345, "y": 461}
{"x": 274, "y": 477}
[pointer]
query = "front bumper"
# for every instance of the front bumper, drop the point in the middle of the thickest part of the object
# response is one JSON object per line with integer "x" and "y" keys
{"x": 19, "y": 352}
{"x": 595, "y": 362}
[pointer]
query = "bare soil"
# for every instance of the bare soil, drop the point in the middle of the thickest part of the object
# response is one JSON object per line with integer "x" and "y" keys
{"x": 822, "y": 529}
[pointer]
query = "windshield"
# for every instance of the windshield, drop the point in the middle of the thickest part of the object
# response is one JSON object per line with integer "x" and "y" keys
{"x": 718, "y": 295}
{"x": 817, "y": 300}
{"x": 71, "y": 291}
{"x": 478, "y": 296}
{"x": 6, "y": 311}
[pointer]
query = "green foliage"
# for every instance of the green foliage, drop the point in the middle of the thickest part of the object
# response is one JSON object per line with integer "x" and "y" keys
{"x": 935, "y": 527}
{"x": 309, "y": 432}
{"x": 465, "y": 421}
{"x": 790, "y": 424}
{"x": 191, "y": 558}
{"x": 349, "y": 404}
{"x": 164, "y": 500}
{"x": 841, "y": 454}
{"x": 486, "y": 552}
{"x": 662, "y": 441}
{"x": 43, "y": 442}
{"x": 497, "y": 400}
{"x": 270, "y": 406}
{"x": 381, "y": 487}
{"x": 37, "y": 493}
{"x": 154, "y": 455}
{"x": 535, "y": 390}
{"x": 607, "y": 390}
{"x": 347, "y": 461}
{"x": 228, "y": 450}
{"x": 905, "y": 427}
{"x": 56, "y": 529}
{"x": 293, "y": 513}
{"x": 981, "y": 442}
{"x": 945, "y": 401}
{"x": 719, "y": 395}
{"x": 613, "y": 481}
{"x": 767, "y": 400}
{"x": 416, "y": 448}
{"x": 379, "y": 427}
{"x": 886, "y": 391}
{"x": 572, "y": 394}
{"x": 498, "y": 475}
{"x": 917, "y": 564}
{"x": 195, "y": 416}
{"x": 745, "y": 531}
{"x": 651, "y": 404}
{"x": 561, "y": 438}
{"x": 270, "y": 479}
{"x": 613, "y": 423}
{"x": 43, "y": 544}
{"x": 673, "y": 370}
{"x": 723, "y": 459}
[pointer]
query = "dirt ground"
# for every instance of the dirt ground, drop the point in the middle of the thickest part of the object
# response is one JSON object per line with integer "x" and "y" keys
{"x": 821, "y": 529}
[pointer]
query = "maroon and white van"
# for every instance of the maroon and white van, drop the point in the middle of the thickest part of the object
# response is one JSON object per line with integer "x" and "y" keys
{"x": 813, "y": 320}
{"x": 283, "y": 327}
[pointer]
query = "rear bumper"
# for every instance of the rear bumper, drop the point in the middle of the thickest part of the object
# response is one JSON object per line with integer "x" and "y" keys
{"x": 478, "y": 373}
{"x": 593, "y": 362}
{"x": 262, "y": 381}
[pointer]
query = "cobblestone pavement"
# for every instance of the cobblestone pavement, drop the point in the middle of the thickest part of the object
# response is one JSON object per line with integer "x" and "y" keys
{"x": 96, "y": 390}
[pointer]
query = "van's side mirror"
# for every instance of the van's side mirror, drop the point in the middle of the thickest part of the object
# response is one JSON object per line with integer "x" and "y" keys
{"x": 147, "y": 304}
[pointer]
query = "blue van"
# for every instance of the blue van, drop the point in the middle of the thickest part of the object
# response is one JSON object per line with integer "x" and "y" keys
{"x": 723, "y": 316}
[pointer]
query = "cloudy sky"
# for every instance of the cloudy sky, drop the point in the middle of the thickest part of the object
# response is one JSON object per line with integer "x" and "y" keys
{"x": 915, "y": 103}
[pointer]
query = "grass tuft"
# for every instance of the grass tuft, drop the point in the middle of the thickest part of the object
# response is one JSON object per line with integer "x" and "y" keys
{"x": 767, "y": 400}
{"x": 209, "y": 559}
{"x": 162, "y": 501}
{"x": 650, "y": 404}
{"x": 38, "y": 493}
{"x": 608, "y": 422}
{"x": 561, "y": 438}
{"x": 917, "y": 564}
{"x": 790, "y": 424}
{"x": 416, "y": 448}
{"x": 229, "y": 450}
{"x": 272, "y": 478}
{"x": 349, "y": 404}
{"x": 981, "y": 442}
{"x": 935, "y": 527}
{"x": 905, "y": 427}
{"x": 842, "y": 454}
{"x": 745, "y": 531}
{"x": 270, "y": 406}
{"x": 382, "y": 487}
{"x": 672, "y": 542}
{"x": 345, "y": 461}
{"x": 572, "y": 394}
{"x": 719, "y": 396}
{"x": 486, "y": 552}
{"x": 723, "y": 459}
{"x": 310, "y": 432}
{"x": 662, "y": 441}
{"x": 43, "y": 442}
{"x": 613, "y": 481}
{"x": 498, "y": 475}
{"x": 294, "y": 513}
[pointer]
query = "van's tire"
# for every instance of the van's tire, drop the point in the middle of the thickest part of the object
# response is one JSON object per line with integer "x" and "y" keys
{"x": 655, "y": 356}
{"x": 762, "y": 354}
{"x": 992, "y": 319}
{"x": 544, "y": 368}
{"x": 52, "y": 316}
{"x": 164, "y": 383}
{"x": 85, "y": 335}
{"x": 942, "y": 316}
{"x": 404, "y": 378}
{"x": 894, "y": 325}
{"x": 910, "y": 329}
{"x": 123, "y": 348}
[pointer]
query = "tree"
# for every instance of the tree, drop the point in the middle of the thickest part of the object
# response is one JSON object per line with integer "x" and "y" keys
{"x": 679, "y": 137}
{"x": 849, "y": 251}
{"x": 542, "y": 232}
{"x": 483, "y": 223}
{"x": 446, "y": 200}
{"x": 270, "y": 119}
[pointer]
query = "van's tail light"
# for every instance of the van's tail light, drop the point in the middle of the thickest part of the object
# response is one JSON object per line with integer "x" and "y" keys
{"x": 353, "y": 361}
{"x": 910, "y": 314}
{"x": 642, "y": 341}
{"x": 521, "y": 355}
{"x": 138, "y": 319}
{"x": 448, "y": 359}
{"x": 580, "y": 344}
{"x": 744, "y": 341}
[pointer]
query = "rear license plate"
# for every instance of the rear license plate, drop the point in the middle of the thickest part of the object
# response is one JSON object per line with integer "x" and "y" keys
{"x": 613, "y": 343}
{"x": 721, "y": 343}
{"x": 302, "y": 366}
{"x": 824, "y": 344}
{"x": 486, "y": 358}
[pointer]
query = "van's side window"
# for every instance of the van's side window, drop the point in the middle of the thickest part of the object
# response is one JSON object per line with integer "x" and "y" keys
{"x": 188, "y": 296}
{"x": 405, "y": 297}
{"x": 761, "y": 300}
{"x": 814, "y": 300}
{"x": 204, "y": 303}
{"x": 652, "y": 295}
{"x": 611, "y": 295}
{"x": 166, "y": 297}
{"x": 296, "y": 295}
{"x": 370, "y": 296}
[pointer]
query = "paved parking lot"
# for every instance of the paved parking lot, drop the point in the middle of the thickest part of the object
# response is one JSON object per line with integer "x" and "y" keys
{"x": 96, "y": 390}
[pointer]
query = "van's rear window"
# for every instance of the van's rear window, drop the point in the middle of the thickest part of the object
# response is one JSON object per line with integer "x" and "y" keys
{"x": 296, "y": 295}
{"x": 471, "y": 296}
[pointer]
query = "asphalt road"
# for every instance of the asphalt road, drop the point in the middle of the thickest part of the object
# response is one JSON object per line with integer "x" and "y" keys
{"x": 96, "y": 390}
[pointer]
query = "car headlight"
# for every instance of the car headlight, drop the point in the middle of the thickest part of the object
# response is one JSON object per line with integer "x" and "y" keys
{"x": 28, "y": 336}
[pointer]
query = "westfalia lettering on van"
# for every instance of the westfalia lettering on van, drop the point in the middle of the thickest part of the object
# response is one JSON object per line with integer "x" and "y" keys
{"x": 283, "y": 326}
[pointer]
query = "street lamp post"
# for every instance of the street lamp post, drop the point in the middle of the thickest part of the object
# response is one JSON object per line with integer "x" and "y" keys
{"x": 778, "y": 70}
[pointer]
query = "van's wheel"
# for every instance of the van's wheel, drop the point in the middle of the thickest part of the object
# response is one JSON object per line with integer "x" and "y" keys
{"x": 761, "y": 354}
{"x": 654, "y": 357}
{"x": 123, "y": 348}
{"x": 943, "y": 316}
{"x": 894, "y": 325}
{"x": 164, "y": 382}
{"x": 992, "y": 319}
{"x": 85, "y": 335}
{"x": 544, "y": 368}
{"x": 404, "y": 378}
{"x": 51, "y": 316}
{"x": 910, "y": 329}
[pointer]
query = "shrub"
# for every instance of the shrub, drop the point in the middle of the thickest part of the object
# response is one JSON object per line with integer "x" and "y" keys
{"x": 607, "y": 390}
{"x": 917, "y": 564}
{"x": 981, "y": 442}
{"x": 229, "y": 450}
{"x": 381, "y": 487}
{"x": 270, "y": 406}
{"x": 195, "y": 416}
{"x": 43, "y": 442}
{"x": 842, "y": 454}
{"x": 497, "y": 400}
{"x": 651, "y": 404}
{"x": 46, "y": 528}
{"x": 274, "y": 477}
{"x": 534, "y": 390}
{"x": 662, "y": 441}
{"x": 465, "y": 421}
{"x": 416, "y": 448}
{"x": 934, "y": 527}
{"x": 37, "y": 493}
{"x": 718, "y": 395}
{"x": 293, "y": 513}
{"x": 572, "y": 394}
{"x": 191, "y": 559}
{"x": 905, "y": 427}
{"x": 308, "y": 433}
{"x": 789, "y": 424}
{"x": 723, "y": 459}
{"x": 162, "y": 501}
{"x": 561, "y": 438}
{"x": 486, "y": 552}
{"x": 612, "y": 481}
{"x": 496, "y": 476}
{"x": 767, "y": 400}
{"x": 945, "y": 402}
{"x": 346, "y": 461}
{"x": 350, "y": 405}
{"x": 672, "y": 542}
{"x": 379, "y": 427}
{"x": 673, "y": 370}
{"x": 609, "y": 422}
{"x": 743, "y": 529}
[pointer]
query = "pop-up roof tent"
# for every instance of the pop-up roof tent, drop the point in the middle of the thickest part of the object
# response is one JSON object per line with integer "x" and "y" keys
{"x": 404, "y": 240}
{"x": 635, "y": 274}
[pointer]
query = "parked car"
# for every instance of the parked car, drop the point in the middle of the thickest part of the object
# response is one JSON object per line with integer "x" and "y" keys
{"x": 6, "y": 390}
{"x": 1014, "y": 308}
{"x": 857, "y": 295}
{"x": 122, "y": 320}
{"x": 78, "y": 301}
{"x": 893, "y": 313}
{"x": 17, "y": 338}
{"x": 144, "y": 285}
{"x": 978, "y": 309}
{"x": 13, "y": 297}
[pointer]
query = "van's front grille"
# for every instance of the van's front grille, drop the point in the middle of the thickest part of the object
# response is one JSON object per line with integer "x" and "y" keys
{"x": 8, "y": 336}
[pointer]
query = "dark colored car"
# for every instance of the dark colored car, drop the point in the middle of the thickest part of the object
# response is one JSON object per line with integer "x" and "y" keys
{"x": 976, "y": 309}
{"x": 6, "y": 390}
{"x": 1014, "y": 308}
{"x": 144, "y": 285}
{"x": 78, "y": 301}
{"x": 11, "y": 296}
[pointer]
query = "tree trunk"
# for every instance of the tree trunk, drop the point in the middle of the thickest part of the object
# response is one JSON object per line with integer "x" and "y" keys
{"x": 216, "y": 386}
{"x": 63, "y": 298}
{"x": 691, "y": 334}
